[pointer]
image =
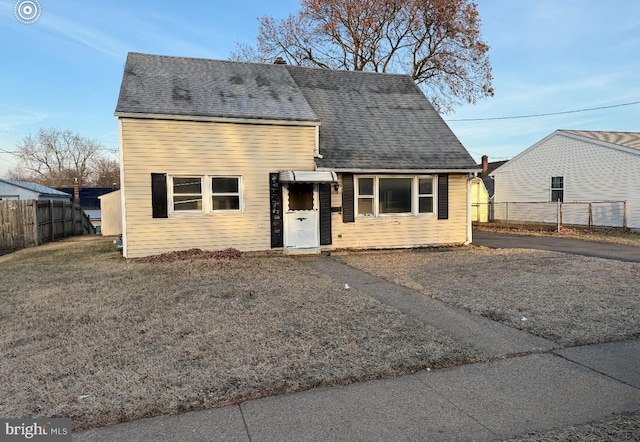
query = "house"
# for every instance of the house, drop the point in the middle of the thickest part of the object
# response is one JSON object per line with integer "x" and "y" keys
{"x": 592, "y": 173}
{"x": 487, "y": 169}
{"x": 22, "y": 190}
{"x": 217, "y": 154}
{"x": 88, "y": 198}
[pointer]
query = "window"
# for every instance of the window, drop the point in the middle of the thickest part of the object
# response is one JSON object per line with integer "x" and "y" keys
{"x": 225, "y": 193}
{"x": 394, "y": 195}
{"x": 187, "y": 193}
{"x": 365, "y": 196}
{"x": 386, "y": 195}
{"x": 425, "y": 195}
{"x": 300, "y": 196}
{"x": 557, "y": 188}
{"x": 205, "y": 194}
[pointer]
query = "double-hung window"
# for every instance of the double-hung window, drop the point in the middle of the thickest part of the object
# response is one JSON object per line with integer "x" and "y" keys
{"x": 205, "y": 194}
{"x": 365, "y": 196}
{"x": 557, "y": 188}
{"x": 394, "y": 195}
{"x": 225, "y": 193}
{"x": 187, "y": 193}
{"x": 425, "y": 195}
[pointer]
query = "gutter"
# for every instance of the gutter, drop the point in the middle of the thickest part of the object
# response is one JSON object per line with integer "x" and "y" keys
{"x": 407, "y": 171}
{"x": 216, "y": 119}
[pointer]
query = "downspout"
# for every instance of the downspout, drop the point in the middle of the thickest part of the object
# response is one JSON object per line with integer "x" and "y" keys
{"x": 469, "y": 230}
{"x": 316, "y": 154}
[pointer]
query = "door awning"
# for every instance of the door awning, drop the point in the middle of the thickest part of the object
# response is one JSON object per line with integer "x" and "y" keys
{"x": 308, "y": 176}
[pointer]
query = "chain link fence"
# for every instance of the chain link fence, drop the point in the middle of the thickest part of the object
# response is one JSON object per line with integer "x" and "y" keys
{"x": 568, "y": 213}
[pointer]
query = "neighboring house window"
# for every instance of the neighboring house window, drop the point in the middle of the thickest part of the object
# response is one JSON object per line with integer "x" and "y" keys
{"x": 205, "y": 194}
{"x": 225, "y": 193}
{"x": 557, "y": 188}
{"x": 381, "y": 195}
{"x": 187, "y": 193}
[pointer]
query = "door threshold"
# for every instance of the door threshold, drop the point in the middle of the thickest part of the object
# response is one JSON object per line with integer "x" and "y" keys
{"x": 302, "y": 251}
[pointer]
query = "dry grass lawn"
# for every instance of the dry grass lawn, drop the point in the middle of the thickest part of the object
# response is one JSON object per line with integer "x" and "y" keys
{"x": 621, "y": 428}
{"x": 569, "y": 299}
{"x": 86, "y": 335}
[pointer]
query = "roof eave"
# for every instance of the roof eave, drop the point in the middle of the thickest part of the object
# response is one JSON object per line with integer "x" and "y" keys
{"x": 210, "y": 119}
{"x": 400, "y": 171}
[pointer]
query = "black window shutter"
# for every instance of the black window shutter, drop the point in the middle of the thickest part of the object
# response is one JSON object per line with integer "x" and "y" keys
{"x": 348, "y": 211}
{"x": 275, "y": 209}
{"x": 325, "y": 214}
{"x": 159, "y": 195}
{"x": 443, "y": 196}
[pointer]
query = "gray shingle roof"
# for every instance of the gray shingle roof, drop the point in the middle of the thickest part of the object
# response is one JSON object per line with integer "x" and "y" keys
{"x": 378, "y": 121}
{"x": 367, "y": 120}
{"x": 156, "y": 84}
{"x": 43, "y": 190}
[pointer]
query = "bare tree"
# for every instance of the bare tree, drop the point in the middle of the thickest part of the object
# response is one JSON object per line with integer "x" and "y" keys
{"x": 437, "y": 42}
{"x": 54, "y": 157}
{"x": 106, "y": 173}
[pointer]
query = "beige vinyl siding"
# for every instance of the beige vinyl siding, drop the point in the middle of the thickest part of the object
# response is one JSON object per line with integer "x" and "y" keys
{"x": 404, "y": 231}
{"x": 111, "y": 213}
{"x": 250, "y": 151}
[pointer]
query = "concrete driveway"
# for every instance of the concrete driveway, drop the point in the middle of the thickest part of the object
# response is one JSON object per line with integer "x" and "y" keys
{"x": 620, "y": 252}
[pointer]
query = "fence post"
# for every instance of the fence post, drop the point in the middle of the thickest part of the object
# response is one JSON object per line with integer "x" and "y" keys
{"x": 51, "y": 219}
{"x": 624, "y": 214}
{"x": 34, "y": 217}
{"x": 558, "y": 215}
{"x": 590, "y": 217}
{"x": 507, "y": 214}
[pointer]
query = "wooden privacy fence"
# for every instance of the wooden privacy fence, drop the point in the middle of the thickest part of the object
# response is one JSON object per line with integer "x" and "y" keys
{"x": 31, "y": 223}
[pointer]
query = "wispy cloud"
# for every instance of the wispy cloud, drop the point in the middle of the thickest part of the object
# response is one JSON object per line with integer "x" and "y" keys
{"x": 18, "y": 121}
{"x": 84, "y": 35}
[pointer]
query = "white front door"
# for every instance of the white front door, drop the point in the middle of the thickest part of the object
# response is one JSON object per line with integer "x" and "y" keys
{"x": 301, "y": 216}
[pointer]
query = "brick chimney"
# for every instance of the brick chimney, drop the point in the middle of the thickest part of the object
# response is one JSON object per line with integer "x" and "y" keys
{"x": 485, "y": 164}
{"x": 76, "y": 191}
{"x": 280, "y": 60}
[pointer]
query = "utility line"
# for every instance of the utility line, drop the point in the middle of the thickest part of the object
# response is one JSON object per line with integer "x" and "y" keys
{"x": 546, "y": 114}
{"x": 8, "y": 151}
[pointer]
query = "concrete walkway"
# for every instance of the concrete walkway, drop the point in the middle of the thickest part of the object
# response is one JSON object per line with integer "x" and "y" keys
{"x": 545, "y": 388}
{"x": 620, "y": 252}
{"x": 485, "y": 335}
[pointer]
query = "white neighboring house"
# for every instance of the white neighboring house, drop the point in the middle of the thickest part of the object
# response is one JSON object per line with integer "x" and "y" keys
{"x": 21, "y": 190}
{"x": 572, "y": 166}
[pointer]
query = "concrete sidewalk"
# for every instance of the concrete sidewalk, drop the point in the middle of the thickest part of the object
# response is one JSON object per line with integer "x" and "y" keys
{"x": 479, "y": 402}
{"x": 544, "y": 389}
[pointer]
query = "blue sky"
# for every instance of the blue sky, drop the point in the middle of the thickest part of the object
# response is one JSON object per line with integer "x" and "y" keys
{"x": 548, "y": 56}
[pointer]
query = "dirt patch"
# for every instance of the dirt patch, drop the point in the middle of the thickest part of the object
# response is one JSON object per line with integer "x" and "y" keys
{"x": 87, "y": 335}
{"x": 572, "y": 300}
{"x": 182, "y": 255}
